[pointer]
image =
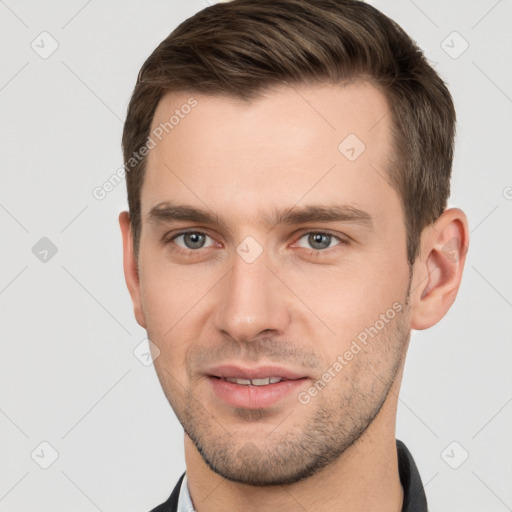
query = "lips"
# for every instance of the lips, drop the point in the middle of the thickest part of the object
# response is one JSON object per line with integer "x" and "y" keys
{"x": 254, "y": 382}
{"x": 253, "y": 388}
{"x": 261, "y": 372}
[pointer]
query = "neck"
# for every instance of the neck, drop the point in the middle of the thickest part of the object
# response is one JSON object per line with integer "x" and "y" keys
{"x": 364, "y": 477}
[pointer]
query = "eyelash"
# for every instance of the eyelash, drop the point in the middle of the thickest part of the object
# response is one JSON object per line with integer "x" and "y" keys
{"x": 311, "y": 252}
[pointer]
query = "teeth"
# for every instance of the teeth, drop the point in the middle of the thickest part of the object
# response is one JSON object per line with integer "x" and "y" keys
{"x": 254, "y": 382}
{"x": 260, "y": 382}
{"x": 244, "y": 382}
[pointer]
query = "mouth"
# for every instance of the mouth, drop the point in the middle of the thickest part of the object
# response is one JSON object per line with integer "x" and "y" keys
{"x": 264, "y": 381}
{"x": 233, "y": 371}
{"x": 254, "y": 388}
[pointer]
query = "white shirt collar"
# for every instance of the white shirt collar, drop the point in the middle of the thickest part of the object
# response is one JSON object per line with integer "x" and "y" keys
{"x": 184, "y": 499}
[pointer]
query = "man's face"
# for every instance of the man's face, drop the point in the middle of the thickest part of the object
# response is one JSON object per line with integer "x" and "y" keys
{"x": 282, "y": 251}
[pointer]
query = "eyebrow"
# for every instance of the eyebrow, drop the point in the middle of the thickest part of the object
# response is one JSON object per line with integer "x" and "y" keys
{"x": 167, "y": 211}
{"x": 321, "y": 213}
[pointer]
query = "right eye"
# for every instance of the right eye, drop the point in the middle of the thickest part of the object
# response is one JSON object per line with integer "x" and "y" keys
{"x": 191, "y": 240}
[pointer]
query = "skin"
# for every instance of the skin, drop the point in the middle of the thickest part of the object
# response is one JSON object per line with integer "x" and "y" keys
{"x": 299, "y": 304}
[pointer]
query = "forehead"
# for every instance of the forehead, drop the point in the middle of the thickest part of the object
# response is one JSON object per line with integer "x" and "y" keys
{"x": 295, "y": 143}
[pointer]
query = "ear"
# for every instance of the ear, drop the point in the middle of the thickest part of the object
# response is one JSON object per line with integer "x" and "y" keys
{"x": 438, "y": 269}
{"x": 131, "y": 274}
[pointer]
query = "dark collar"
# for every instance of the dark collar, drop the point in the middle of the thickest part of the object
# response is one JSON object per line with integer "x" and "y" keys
{"x": 414, "y": 494}
{"x": 171, "y": 504}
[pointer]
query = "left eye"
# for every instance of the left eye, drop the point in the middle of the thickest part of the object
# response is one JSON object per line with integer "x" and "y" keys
{"x": 193, "y": 240}
{"x": 318, "y": 241}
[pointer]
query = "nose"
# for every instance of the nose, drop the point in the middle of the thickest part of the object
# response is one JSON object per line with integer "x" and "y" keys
{"x": 253, "y": 302}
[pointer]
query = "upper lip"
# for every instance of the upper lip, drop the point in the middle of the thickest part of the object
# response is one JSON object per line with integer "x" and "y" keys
{"x": 260, "y": 372}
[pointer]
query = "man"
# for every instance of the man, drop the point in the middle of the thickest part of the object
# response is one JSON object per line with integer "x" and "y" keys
{"x": 288, "y": 166}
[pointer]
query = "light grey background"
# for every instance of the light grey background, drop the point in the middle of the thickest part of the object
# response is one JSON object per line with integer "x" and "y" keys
{"x": 68, "y": 374}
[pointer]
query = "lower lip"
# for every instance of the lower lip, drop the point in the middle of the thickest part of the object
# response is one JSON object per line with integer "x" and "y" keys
{"x": 254, "y": 397}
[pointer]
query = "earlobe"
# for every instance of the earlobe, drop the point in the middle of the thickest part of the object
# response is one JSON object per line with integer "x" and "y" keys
{"x": 439, "y": 268}
{"x": 131, "y": 274}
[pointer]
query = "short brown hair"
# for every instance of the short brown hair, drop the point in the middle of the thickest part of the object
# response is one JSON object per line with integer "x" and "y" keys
{"x": 242, "y": 47}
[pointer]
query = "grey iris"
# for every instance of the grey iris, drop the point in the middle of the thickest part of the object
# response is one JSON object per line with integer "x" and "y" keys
{"x": 194, "y": 240}
{"x": 319, "y": 240}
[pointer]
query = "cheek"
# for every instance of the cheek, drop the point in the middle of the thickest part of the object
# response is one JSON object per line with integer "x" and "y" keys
{"x": 349, "y": 301}
{"x": 165, "y": 310}
{"x": 169, "y": 292}
{"x": 175, "y": 300}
